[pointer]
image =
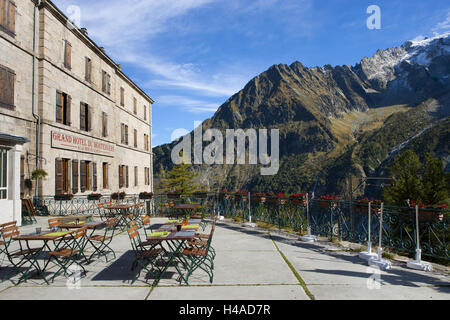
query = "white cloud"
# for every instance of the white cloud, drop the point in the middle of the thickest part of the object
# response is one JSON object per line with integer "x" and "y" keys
{"x": 443, "y": 26}
{"x": 187, "y": 104}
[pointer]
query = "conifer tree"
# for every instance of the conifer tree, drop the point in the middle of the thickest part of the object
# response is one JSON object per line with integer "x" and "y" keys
{"x": 181, "y": 178}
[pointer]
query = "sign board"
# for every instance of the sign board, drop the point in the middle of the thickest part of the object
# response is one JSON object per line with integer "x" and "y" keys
{"x": 74, "y": 142}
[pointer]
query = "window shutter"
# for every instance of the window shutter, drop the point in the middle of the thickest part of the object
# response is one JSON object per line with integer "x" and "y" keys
{"x": 10, "y": 80}
{"x": 59, "y": 107}
{"x": 82, "y": 116}
{"x": 2, "y": 12}
{"x": 145, "y": 112}
{"x": 88, "y": 70}
{"x": 104, "y": 124}
{"x": 94, "y": 176}
{"x": 134, "y": 105}
{"x": 122, "y": 97}
{"x": 135, "y": 176}
{"x": 69, "y": 111}
{"x": 12, "y": 17}
{"x": 126, "y": 134}
{"x": 68, "y": 55}
{"x": 83, "y": 176}
{"x": 120, "y": 176}
{"x": 89, "y": 118}
{"x": 135, "y": 138}
{"x": 109, "y": 84}
{"x": 75, "y": 176}
{"x": 126, "y": 177}
{"x": 2, "y": 81}
{"x": 58, "y": 176}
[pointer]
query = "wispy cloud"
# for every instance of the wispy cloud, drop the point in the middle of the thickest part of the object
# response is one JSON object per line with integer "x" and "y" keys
{"x": 443, "y": 26}
{"x": 188, "y": 104}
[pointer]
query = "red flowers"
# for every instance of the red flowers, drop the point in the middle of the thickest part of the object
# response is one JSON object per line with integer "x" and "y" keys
{"x": 329, "y": 198}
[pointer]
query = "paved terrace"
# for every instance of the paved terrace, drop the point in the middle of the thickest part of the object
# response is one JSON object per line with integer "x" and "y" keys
{"x": 251, "y": 264}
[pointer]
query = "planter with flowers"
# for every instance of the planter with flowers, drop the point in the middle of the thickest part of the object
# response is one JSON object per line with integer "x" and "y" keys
{"x": 118, "y": 195}
{"x": 298, "y": 199}
{"x": 224, "y": 194}
{"x": 175, "y": 194}
{"x": 202, "y": 194}
{"x": 94, "y": 196}
{"x": 63, "y": 197}
{"x": 146, "y": 195}
{"x": 258, "y": 197}
{"x": 326, "y": 202}
{"x": 429, "y": 213}
{"x": 362, "y": 205}
{"x": 241, "y": 195}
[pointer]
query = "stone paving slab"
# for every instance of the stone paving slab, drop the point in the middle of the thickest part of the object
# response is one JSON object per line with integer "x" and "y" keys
{"x": 243, "y": 292}
{"x": 249, "y": 266}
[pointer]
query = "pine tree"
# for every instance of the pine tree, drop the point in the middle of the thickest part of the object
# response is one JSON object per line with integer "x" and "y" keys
{"x": 407, "y": 184}
{"x": 181, "y": 177}
{"x": 434, "y": 184}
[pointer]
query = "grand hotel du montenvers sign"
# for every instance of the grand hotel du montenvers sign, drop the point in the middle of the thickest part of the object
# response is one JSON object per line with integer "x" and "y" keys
{"x": 74, "y": 142}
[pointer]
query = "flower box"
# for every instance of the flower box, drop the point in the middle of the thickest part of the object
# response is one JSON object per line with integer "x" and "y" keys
{"x": 118, "y": 196}
{"x": 63, "y": 197}
{"x": 174, "y": 194}
{"x": 258, "y": 198}
{"x": 200, "y": 194}
{"x": 146, "y": 195}
{"x": 94, "y": 196}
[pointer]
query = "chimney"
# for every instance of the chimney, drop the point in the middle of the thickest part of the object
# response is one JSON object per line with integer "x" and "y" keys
{"x": 84, "y": 31}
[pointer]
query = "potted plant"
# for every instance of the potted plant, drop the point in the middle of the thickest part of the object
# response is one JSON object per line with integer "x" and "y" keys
{"x": 328, "y": 201}
{"x": 258, "y": 197}
{"x": 202, "y": 194}
{"x": 429, "y": 213}
{"x": 146, "y": 195}
{"x": 298, "y": 199}
{"x": 39, "y": 174}
{"x": 241, "y": 195}
{"x": 63, "y": 197}
{"x": 224, "y": 194}
{"x": 118, "y": 195}
{"x": 94, "y": 196}
{"x": 175, "y": 194}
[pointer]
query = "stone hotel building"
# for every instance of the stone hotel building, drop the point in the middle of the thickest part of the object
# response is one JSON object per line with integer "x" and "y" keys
{"x": 66, "y": 108}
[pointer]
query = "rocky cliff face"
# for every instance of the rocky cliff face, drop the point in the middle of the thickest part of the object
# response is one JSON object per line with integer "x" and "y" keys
{"x": 325, "y": 113}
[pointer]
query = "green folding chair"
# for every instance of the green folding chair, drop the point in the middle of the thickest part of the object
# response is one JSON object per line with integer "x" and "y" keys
{"x": 66, "y": 256}
{"x": 146, "y": 255}
{"x": 101, "y": 243}
{"x": 20, "y": 258}
{"x": 199, "y": 257}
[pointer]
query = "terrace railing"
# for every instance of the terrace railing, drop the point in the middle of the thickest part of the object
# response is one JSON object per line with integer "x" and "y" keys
{"x": 335, "y": 219}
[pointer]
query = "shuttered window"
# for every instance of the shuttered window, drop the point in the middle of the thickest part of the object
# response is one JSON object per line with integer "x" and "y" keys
{"x": 74, "y": 176}
{"x": 121, "y": 176}
{"x": 134, "y": 105}
{"x": 136, "y": 182}
{"x": 88, "y": 67}
{"x": 105, "y": 175}
{"x": 106, "y": 82}
{"x": 85, "y": 117}
{"x": 104, "y": 124}
{"x": 8, "y": 16}
{"x": 7, "y": 82}
{"x": 94, "y": 176}
{"x": 122, "y": 97}
{"x": 145, "y": 112}
{"x": 126, "y": 135}
{"x": 61, "y": 176}
{"x": 84, "y": 176}
{"x": 68, "y": 55}
{"x": 127, "y": 184}
{"x": 135, "y": 138}
{"x": 63, "y": 108}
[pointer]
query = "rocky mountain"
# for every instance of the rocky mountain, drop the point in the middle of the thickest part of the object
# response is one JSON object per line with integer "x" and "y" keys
{"x": 337, "y": 123}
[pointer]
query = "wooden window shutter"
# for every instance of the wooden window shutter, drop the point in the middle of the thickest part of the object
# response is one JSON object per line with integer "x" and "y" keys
{"x": 75, "y": 176}
{"x": 68, "y": 111}
{"x": 58, "y": 176}
{"x": 145, "y": 112}
{"x": 89, "y": 118}
{"x": 59, "y": 107}
{"x": 136, "y": 176}
{"x": 3, "y": 4}
{"x": 7, "y": 82}
{"x": 122, "y": 96}
{"x": 126, "y": 177}
{"x": 12, "y": 17}
{"x": 82, "y": 116}
{"x": 88, "y": 70}
{"x": 68, "y": 55}
{"x": 94, "y": 176}
{"x": 126, "y": 134}
{"x": 120, "y": 176}
{"x": 135, "y": 138}
{"x": 104, "y": 124}
{"x": 83, "y": 176}
{"x": 134, "y": 105}
{"x": 103, "y": 81}
{"x": 2, "y": 82}
{"x": 109, "y": 83}
{"x": 22, "y": 175}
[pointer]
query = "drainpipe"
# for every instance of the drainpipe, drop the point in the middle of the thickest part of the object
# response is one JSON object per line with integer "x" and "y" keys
{"x": 33, "y": 100}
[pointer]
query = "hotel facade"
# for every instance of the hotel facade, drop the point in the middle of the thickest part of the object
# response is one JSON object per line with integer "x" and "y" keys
{"x": 68, "y": 109}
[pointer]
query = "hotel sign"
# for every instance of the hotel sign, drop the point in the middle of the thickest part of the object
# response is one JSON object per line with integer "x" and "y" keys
{"x": 74, "y": 142}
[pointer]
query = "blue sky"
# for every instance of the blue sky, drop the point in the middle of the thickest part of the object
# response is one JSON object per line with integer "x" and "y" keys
{"x": 190, "y": 56}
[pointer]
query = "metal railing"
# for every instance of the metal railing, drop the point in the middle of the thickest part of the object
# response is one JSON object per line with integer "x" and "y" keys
{"x": 337, "y": 220}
